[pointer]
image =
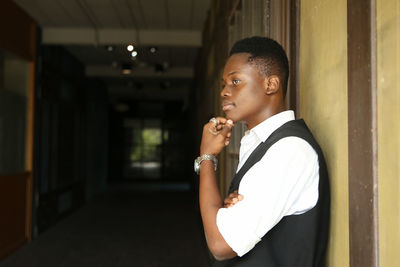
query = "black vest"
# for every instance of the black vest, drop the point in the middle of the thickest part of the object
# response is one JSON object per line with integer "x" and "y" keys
{"x": 297, "y": 240}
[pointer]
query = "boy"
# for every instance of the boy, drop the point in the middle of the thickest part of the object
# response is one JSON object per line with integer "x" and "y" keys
{"x": 282, "y": 218}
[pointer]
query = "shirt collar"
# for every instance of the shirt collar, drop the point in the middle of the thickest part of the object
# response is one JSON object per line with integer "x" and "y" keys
{"x": 267, "y": 127}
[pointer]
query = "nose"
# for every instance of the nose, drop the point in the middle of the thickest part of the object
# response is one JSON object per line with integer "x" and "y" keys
{"x": 225, "y": 91}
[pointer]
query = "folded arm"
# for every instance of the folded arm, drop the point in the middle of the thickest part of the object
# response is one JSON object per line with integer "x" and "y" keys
{"x": 284, "y": 182}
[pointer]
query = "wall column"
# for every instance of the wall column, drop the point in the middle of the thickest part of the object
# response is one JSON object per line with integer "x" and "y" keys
{"x": 362, "y": 117}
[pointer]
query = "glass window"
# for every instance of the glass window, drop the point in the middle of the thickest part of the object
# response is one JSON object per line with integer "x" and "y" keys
{"x": 143, "y": 139}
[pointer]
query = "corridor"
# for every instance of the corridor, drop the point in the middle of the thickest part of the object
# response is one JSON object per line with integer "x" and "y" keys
{"x": 102, "y": 108}
{"x": 122, "y": 228}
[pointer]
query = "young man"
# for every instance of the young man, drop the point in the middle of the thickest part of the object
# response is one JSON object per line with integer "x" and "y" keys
{"x": 282, "y": 218}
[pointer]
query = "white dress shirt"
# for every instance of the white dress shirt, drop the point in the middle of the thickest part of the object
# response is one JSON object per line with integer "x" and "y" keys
{"x": 284, "y": 182}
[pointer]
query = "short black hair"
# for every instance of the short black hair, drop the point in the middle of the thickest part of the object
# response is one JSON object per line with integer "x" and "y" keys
{"x": 267, "y": 55}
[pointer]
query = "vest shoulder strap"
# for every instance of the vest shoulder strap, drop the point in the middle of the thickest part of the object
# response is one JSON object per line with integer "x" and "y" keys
{"x": 296, "y": 128}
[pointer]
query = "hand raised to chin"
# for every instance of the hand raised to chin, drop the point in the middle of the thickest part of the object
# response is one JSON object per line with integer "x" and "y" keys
{"x": 216, "y": 135}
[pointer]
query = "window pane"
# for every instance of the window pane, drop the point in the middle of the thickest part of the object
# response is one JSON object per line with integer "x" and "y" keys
{"x": 143, "y": 139}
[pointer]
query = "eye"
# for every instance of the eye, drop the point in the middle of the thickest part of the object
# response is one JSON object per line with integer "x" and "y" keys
{"x": 235, "y": 81}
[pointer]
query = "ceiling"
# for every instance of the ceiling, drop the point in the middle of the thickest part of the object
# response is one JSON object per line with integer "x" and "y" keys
{"x": 97, "y": 33}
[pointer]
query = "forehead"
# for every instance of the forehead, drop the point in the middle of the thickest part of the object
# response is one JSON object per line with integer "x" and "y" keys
{"x": 238, "y": 63}
{"x": 237, "y": 60}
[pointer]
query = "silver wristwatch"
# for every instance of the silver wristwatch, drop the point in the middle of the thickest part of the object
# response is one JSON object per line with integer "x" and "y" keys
{"x": 198, "y": 161}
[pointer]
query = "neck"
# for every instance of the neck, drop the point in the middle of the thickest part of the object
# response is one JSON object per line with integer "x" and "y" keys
{"x": 267, "y": 113}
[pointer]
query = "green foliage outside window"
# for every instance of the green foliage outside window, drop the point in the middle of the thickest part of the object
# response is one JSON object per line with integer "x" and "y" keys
{"x": 147, "y": 143}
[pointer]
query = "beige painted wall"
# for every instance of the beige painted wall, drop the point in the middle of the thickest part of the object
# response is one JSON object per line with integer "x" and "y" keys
{"x": 323, "y": 104}
{"x": 388, "y": 55}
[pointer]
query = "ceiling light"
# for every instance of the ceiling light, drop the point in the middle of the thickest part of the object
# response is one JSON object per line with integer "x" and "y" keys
{"x": 134, "y": 53}
{"x": 110, "y": 48}
{"x": 130, "y": 48}
{"x": 153, "y": 50}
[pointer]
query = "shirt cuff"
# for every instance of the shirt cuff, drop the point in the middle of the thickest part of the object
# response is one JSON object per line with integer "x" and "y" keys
{"x": 234, "y": 231}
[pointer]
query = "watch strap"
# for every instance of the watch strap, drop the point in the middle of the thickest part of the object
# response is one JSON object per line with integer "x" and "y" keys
{"x": 206, "y": 157}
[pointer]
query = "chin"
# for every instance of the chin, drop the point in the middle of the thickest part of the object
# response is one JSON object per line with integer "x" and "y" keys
{"x": 235, "y": 117}
{"x": 229, "y": 117}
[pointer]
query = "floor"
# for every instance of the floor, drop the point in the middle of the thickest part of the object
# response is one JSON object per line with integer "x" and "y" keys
{"x": 122, "y": 228}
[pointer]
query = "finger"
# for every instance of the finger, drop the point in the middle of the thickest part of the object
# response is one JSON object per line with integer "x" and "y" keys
{"x": 221, "y": 120}
{"x": 216, "y": 128}
{"x": 213, "y": 128}
{"x": 228, "y": 201}
{"x": 233, "y": 194}
{"x": 224, "y": 121}
{"x": 227, "y": 128}
{"x": 221, "y": 124}
{"x": 227, "y": 140}
{"x": 231, "y": 201}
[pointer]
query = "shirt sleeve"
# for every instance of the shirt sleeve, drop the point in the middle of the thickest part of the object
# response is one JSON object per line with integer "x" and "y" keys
{"x": 284, "y": 182}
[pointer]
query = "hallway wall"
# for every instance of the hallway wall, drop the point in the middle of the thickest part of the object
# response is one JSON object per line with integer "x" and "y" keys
{"x": 323, "y": 104}
{"x": 71, "y": 130}
{"x": 388, "y": 82}
{"x": 18, "y": 37}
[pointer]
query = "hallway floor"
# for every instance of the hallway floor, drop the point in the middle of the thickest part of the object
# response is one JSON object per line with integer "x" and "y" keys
{"x": 122, "y": 228}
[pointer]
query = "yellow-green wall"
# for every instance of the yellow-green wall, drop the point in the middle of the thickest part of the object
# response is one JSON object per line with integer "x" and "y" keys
{"x": 388, "y": 81}
{"x": 323, "y": 104}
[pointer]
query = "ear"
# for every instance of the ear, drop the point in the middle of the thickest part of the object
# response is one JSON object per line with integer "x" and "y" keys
{"x": 272, "y": 84}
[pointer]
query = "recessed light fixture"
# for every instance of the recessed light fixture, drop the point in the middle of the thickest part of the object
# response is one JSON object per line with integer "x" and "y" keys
{"x": 134, "y": 53}
{"x": 153, "y": 49}
{"x": 110, "y": 48}
{"x": 130, "y": 48}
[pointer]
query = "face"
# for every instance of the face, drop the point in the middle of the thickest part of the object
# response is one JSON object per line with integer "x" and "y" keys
{"x": 243, "y": 94}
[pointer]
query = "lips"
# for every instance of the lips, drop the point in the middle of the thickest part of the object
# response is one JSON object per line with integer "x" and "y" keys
{"x": 226, "y": 106}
